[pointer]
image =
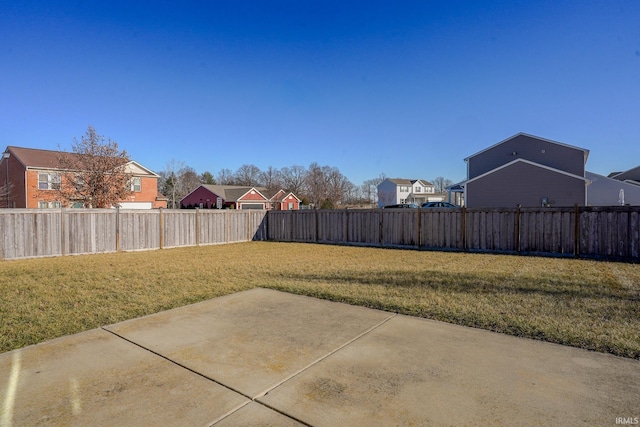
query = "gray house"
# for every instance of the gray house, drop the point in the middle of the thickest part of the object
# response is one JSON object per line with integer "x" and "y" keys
{"x": 611, "y": 191}
{"x": 526, "y": 170}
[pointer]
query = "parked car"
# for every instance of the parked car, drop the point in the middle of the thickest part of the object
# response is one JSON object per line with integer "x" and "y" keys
{"x": 402, "y": 206}
{"x": 438, "y": 205}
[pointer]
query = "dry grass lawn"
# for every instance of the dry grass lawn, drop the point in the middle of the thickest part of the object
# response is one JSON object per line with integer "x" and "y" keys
{"x": 587, "y": 304}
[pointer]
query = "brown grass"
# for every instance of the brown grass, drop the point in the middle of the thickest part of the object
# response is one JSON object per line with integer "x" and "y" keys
{"x": 587, "y": 304}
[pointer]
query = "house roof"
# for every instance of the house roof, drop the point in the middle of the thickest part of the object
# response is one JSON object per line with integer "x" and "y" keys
{"x": 231, "y": 193}
{"x": 632, "y": 174}
{"x": 49, "y": 159}
{"x": 506, "y": 165}
{"x": 584, "y": 150}
{"x": 402, "y": 181}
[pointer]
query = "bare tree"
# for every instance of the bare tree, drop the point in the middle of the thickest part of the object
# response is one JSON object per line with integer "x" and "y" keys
{"x": 338, "y": 187}
{"x": 315, "y": 185}
{"x": 271, "y": 178}
{"x": 370, "y": 188}
{"x": 5, "y": 192}
{"x": 170, "y": 185}
{"x": 440, "y": 184}
{"x": 248, "y": 175}
{"x": 95, "y": 173}
{"x": 226, "y": 177}
{"x": 293, "y": 178}
{"x": 188, "y": 180}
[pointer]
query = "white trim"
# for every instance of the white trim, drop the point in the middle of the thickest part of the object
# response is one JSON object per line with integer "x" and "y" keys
{"x": 587, "y": 182}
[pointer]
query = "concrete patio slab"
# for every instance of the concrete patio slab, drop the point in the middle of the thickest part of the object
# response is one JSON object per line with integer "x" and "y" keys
{"x": 97, "y": 379}
{"x": 251, "y": 341}
{"x": 413, "y": 371}
{"x": 255, "y": 414}
{"x": 263, "y": 357}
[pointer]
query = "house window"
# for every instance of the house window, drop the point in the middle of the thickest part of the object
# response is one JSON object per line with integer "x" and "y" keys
{"x": 290, "y": 206}
{"x": 48, "y": 181}
{"x": 418, "y": 189}
{"x": 136, "y": 184}
{"x": 404, "y": 189}
{"x": 49, "y": 205}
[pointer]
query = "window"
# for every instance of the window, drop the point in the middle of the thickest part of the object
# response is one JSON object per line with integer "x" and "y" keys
{"x": 290, "y": 206}
{"x": 418, "y": 189}
{"x": 48, "y": 181}
{"x": 404, "y": 189}
{"x": 49, "y": 205}
{"x": 136, "y": 184}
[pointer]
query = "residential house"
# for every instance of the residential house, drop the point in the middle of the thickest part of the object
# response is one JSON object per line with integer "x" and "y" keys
{"x": 526, "y": 170}
{"x": 608, "y": 191}
{"x": 34, "y": 175}
{"x": 284, "y": 201}
{"x": 400, "y": 191}
{"x": 632, "y": 176}
{"x": 208, "y": 196}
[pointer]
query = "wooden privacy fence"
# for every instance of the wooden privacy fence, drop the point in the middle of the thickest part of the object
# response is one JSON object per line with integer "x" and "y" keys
{"x": 26, "y": 233}
{"x": 592, "y": 232}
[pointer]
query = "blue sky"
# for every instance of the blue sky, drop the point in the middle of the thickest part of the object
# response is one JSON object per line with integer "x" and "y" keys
{"x": 404, "y": 88}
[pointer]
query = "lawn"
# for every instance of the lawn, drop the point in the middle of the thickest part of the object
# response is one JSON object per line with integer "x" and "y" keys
{"x": 588, "y": 304}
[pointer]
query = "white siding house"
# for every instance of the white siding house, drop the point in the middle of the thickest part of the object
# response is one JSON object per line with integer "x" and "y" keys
{"x": 400, "y": 191}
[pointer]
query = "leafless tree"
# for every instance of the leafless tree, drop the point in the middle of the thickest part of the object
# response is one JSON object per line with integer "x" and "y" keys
{"x": 178, "y": 180}
{"x": 270, "y": 178}
{"x": 5, "y": 190}
{"x": 248, "y": 175}
{"x": 188, "y": 180}
{"x": 95, "y": 173}
{"x": 440, "y": 184}
{"x": 226, "y": 177}
{"x": 293, "y": 178}
{"x": 370, "y": 188}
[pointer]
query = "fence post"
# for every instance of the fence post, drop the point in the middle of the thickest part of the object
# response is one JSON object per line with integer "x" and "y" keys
{"x": 161, "y": 227}
{"x": 118, "y": 229}
{"x": 316, "y": 224}
{"x": 419, "y": 226}
{"x": 576, "y": 232}
{"x": 345, "y": 230}
{"x": 197, "y": 226}
{"x": 227, "y": 224}
{"x": 290, "y": 226}
{"x": 248, "y": 225}
{"x": 381, "y": 228}
{"x": 517, "y": 230}
{"x": 463, "y": 227}
{"x": 63, "y": 237}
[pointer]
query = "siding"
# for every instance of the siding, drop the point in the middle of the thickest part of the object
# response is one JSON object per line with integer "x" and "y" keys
{"x": 524, "y": 184}
{"x": 557, "y": 156}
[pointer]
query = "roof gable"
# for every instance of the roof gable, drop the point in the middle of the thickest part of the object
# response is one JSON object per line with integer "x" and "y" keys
{"x": 506, "y": 165}
{"x": 519, "y": 134}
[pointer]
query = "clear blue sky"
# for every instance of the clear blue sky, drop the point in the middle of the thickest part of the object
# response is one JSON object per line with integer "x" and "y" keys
{"x": 408, "y": 89}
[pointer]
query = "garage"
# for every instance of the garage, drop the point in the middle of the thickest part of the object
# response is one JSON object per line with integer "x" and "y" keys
{"x": 244, "y": 206}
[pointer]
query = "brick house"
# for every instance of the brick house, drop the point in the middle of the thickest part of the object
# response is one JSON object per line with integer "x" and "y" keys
{"x": 207, "y": 196}
{"x": 33, "y": 175}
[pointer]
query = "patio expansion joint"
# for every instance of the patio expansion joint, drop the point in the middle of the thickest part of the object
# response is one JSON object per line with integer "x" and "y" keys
{"x": 180, "y": 365}
{"x": 270, "y": 389}
{"x": 321, "y": 358}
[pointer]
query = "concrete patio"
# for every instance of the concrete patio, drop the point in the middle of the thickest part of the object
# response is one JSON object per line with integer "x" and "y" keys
{"x": 263, "y": 357}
